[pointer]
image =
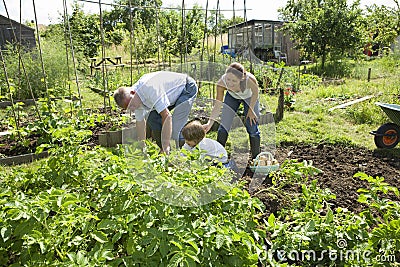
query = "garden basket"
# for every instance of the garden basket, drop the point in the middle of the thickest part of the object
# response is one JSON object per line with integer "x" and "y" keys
{"x": 264, "y": 163}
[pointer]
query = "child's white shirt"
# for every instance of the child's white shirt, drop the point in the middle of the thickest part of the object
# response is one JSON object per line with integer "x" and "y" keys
{"x": 211, "y": 148}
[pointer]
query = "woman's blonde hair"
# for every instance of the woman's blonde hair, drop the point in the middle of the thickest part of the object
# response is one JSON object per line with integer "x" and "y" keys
{"x": 193, "y": 131}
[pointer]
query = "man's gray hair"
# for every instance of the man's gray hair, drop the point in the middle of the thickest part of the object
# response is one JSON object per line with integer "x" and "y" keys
{"x": 120, "y": 94}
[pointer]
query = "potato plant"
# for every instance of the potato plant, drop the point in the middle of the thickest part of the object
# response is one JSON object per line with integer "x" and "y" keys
{"x": 84, "y": 208}
{"x": 311, "y": 232}
{"x": 87, "y": 207}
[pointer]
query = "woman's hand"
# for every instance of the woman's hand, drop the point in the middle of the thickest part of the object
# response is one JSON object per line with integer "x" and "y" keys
{"x": 207, "y": 126}
{"x": 252, "y": 116}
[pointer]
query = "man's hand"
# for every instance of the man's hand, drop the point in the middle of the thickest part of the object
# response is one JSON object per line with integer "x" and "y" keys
{"x": 165, "y": 150}
{"x": 166, "y": 130}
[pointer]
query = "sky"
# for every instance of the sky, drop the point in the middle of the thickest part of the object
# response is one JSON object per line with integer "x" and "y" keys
{"x": 48, "y": 11}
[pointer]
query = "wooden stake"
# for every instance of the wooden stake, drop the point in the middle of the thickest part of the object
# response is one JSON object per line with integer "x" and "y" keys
{"x": 369, "y": 74}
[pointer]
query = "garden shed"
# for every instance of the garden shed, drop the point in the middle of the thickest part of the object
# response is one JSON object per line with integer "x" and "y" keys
{"x": 264, "y": 39}
{"x": 14, "y": 32}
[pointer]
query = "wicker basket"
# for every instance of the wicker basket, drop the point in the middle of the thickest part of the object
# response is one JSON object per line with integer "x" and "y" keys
{"x": 258, "y": 166}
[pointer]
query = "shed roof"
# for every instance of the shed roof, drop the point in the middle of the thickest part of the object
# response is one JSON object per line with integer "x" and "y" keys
{"x": 254, "y": 21}
{"x": 6, "y": 21}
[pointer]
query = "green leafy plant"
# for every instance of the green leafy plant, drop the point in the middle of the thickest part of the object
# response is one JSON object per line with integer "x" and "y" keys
{"x": 308, "y": 231}
{"x": 382, "y": 214}
{"x": 24, "y": 69}
{"x": 84, "y": 207}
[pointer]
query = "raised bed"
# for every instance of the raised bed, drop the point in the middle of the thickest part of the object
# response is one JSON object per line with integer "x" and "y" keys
{"x": 30, "y": 102}
{"x": 21, "y": 159}
{"x": 113, "y": 138}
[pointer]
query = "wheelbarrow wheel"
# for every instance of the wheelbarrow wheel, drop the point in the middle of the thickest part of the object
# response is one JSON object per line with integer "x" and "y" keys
{"x": 387, "y": 136}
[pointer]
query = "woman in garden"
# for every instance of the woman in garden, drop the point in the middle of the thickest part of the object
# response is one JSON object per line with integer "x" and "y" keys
{"x": 240, "y": 87}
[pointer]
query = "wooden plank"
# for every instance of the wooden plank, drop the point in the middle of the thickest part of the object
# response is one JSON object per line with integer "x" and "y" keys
{"x": 5, "y": 133}
{"x": 30, "y": 102}
{"x": 123, "y": 136}
{"x": 352, "y": 102}
{"x": 27, "y": 158}
{"x": 27, "y": 102}
{"x": 109, "y": 65}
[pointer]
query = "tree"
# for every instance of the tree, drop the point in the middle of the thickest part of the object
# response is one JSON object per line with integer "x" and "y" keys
{"x": 150, "y": 24}
{"x": 324, "y": 28}
{"x": 383, "y": 24}
{"x": 397, "y": 14}
{"x": 194, "y": 21}
{"x": 146, "y": 42}
{"x": 85, "y": 31}
{"x": 170, "y": 32}
{"x": 225, "y": 23}
{"x": 176, "y": 39}
{"x": 143, "y": 11}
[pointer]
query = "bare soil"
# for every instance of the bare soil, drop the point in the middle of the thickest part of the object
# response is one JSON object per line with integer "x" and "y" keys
{"x": 338, "y": 165}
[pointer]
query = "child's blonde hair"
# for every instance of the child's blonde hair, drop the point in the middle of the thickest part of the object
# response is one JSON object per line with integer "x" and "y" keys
{"x": 193, "y": 131}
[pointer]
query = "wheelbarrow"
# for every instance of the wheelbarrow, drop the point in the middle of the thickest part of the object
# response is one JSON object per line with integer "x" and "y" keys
{"x": 388, "y": 135}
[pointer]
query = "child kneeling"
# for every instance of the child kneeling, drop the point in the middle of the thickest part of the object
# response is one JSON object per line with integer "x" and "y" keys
{"x": 194, "y": 135}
